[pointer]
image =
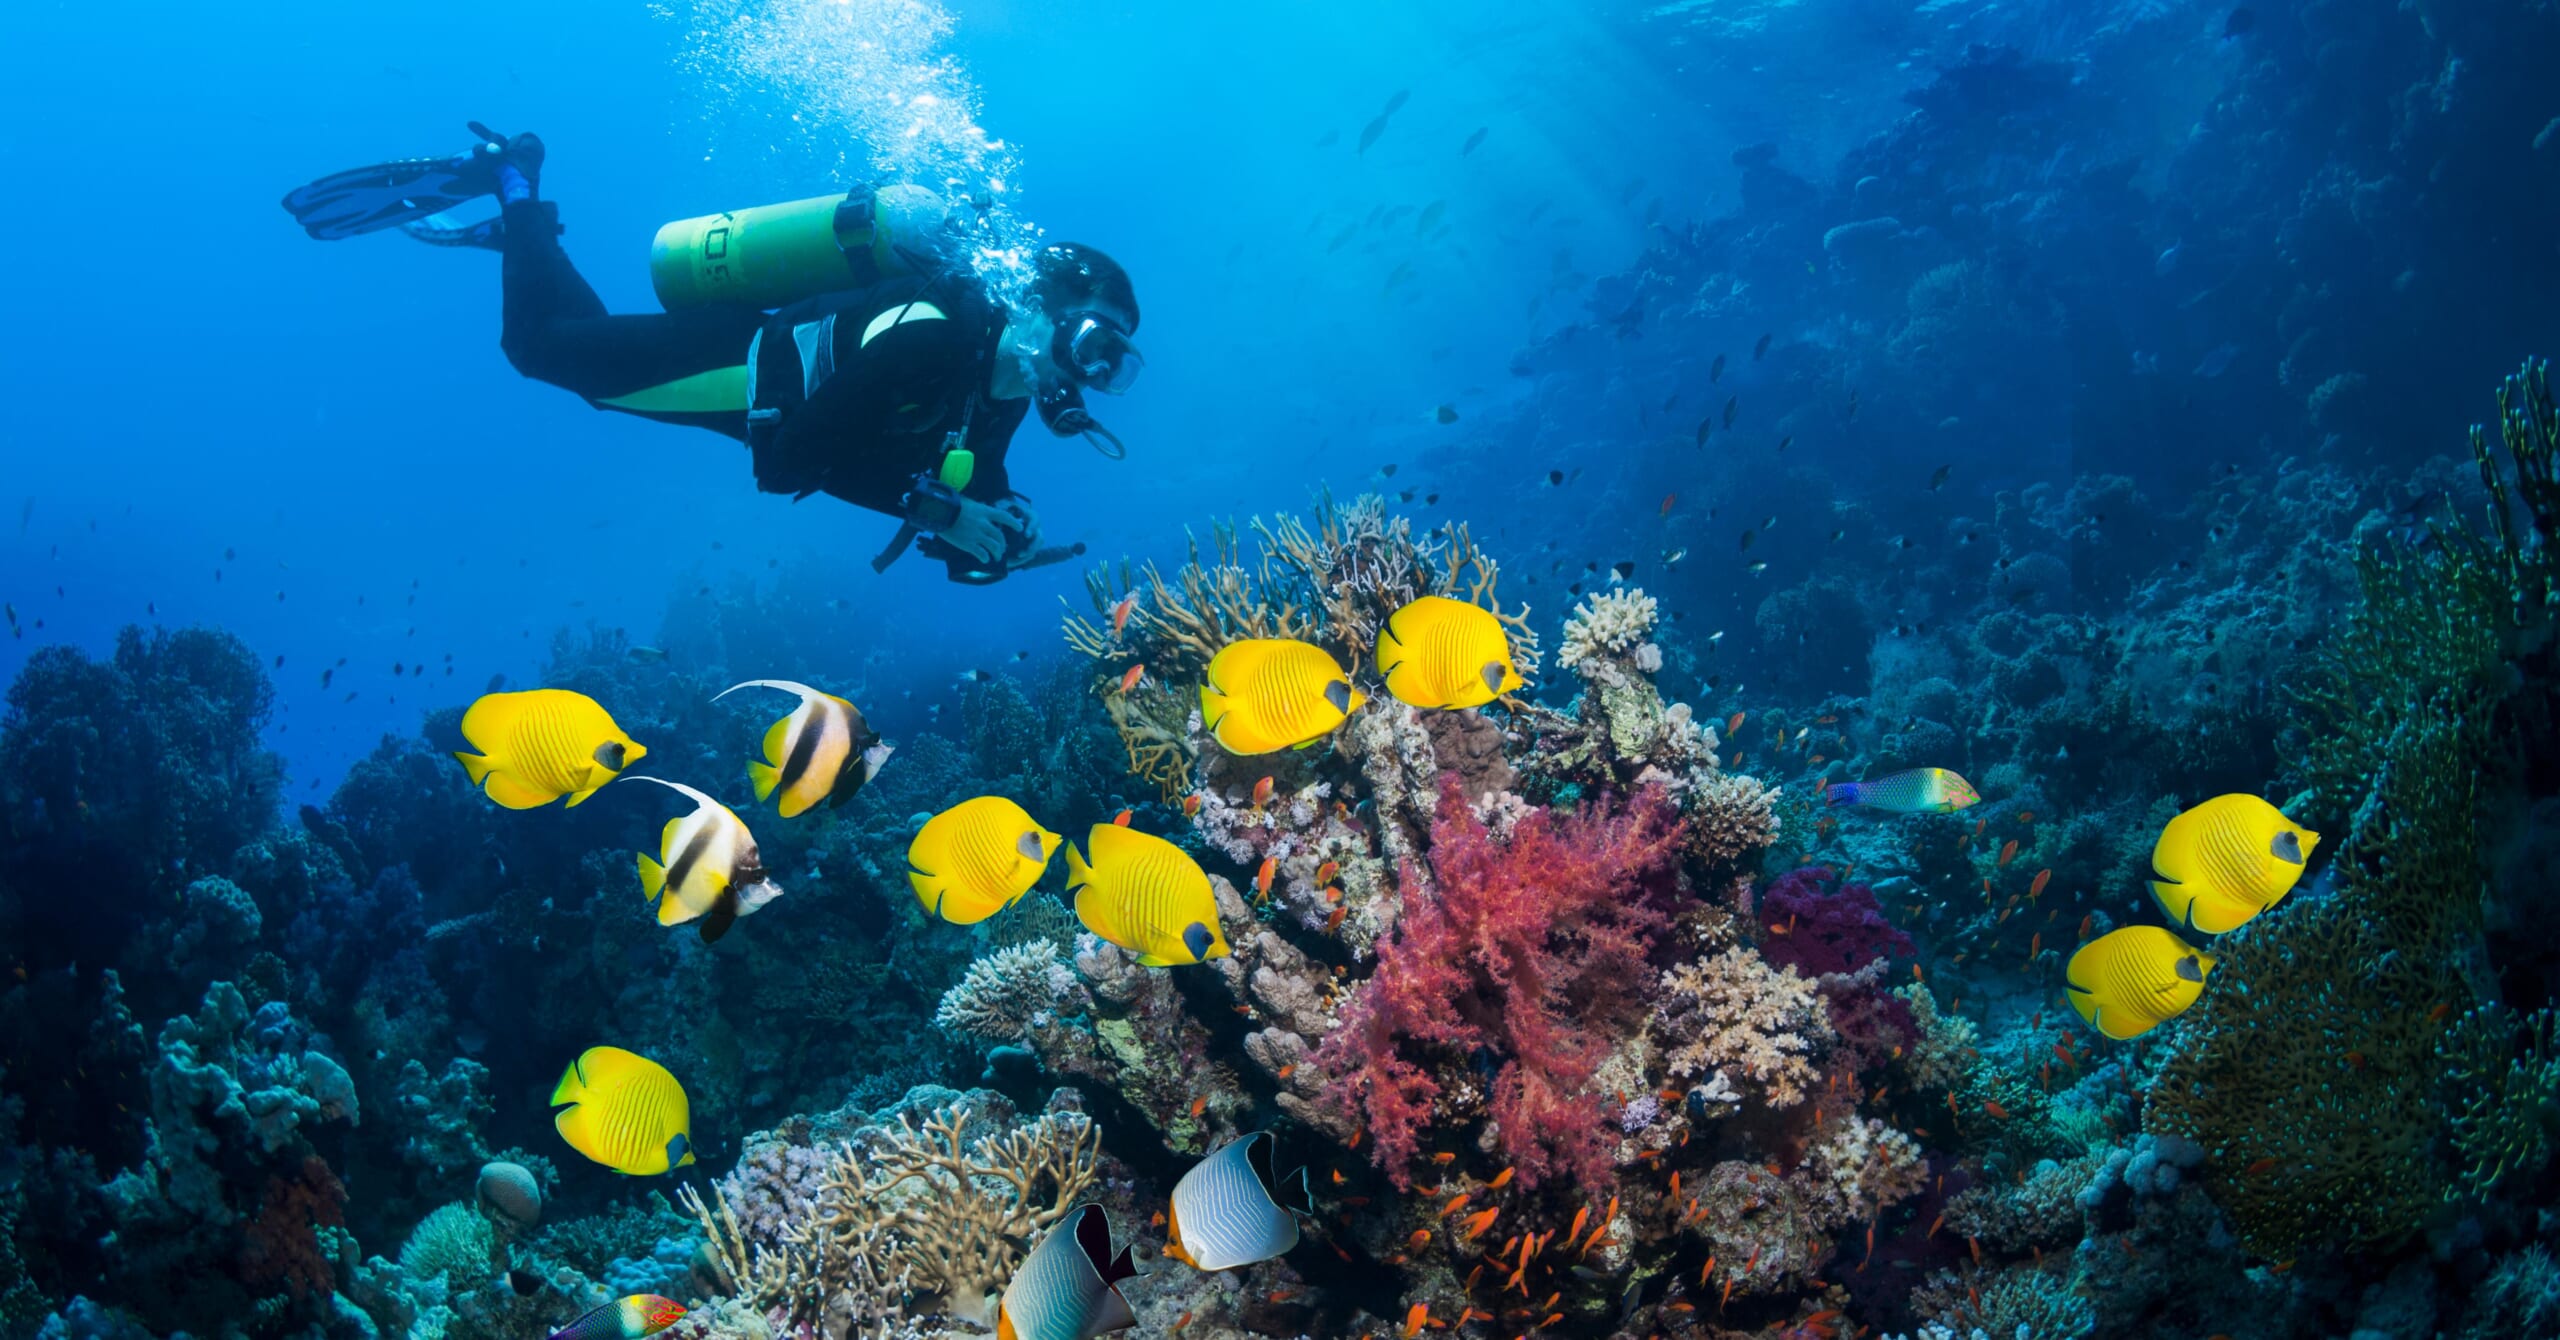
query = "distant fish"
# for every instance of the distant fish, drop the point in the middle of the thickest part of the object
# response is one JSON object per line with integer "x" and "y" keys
{"x": 1715, "y": 370}
{"x": 2131, "y": 980}
{"x": 1731, "y": 403}
{"x": 645, "y": 655}
{"x": 1938, "y": 479}
{"x": 1430, "y": 216}
{"x": 1915, "y": 791}
{"x": 537, "y": 746}
{"x": 624, "y": 1111}
{"x": 1068, "y": 1288}
{"x": 1463, "y": 149}
{"x": 1760, "y": 349}
{"x": 1786, "y": 442}
{"x": 708, "y": 868}
{"x": 635, "y": 1317}
{"x": 1395, "y": 102}
{"x": 977, "y": 858}
{"x": 2218, "y": 361}
{"x": 1445, "y": 414}
{"x": 1369, "y": 133}
{"x": 1705, "y": 426}
{"x": 1226, "y": 1211}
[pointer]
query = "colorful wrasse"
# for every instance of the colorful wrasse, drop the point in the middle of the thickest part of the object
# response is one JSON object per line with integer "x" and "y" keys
{"x": 1916, "y": 791}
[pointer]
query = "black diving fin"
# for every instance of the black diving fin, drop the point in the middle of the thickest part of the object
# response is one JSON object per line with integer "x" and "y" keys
{"x": 386, "y": 195}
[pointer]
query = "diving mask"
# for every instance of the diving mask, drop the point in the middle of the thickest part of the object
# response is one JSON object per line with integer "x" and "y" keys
{"x": 1096, "y": 352}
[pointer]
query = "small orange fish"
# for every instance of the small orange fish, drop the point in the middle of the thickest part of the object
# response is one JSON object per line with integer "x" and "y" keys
{"x": 1444, "y": 1158}
{"x": 1123, "y": 817}
{"x": 2280, "y": 1267}
{"x": 1182, "y": 1321}
{"x": 1455, "y": 1203}
{"x": 1333, "y": 895}
{"x": 1263, "y": 876}
{"x": 2008, "y": 853}
{"x": 1977, "y": 1249}
{"x": 1283, "y": 1295}
{"x": 1916, "y": 974}
{"x": 1286, "y": 1071}
{"x": 1120, "y": 612}
{"x": 1420, "y": 1237}
{"x": 2065, "y": 1053}
{"x": 2436, "y": 1015}
{"x": 1934, "y": 1226}
{"x": 1415, "y": 1320}
{"x": 2035, "y": 946}
{"x": 2035, "y": 887}
{"x": 2356, "y": 1059}
{"x": 1728, "y": 1295}
{"x": 2261, "y": 1166}
{"x": 2085, "y": 920}
{"x": 1814, "y": 762}
{"x": 1334, "y": 922}
{"x": 1680, "y": 1307}
{"x": 1481, "y": 1220}
{"x": 1667, "y": 500}
{"x": 2026, "y": 816}
{"x": 1732, "y": 723}
{"x": 1191, "y": 807}
{"x": 1580, "y": 1217}
{"x": 1262, "y": 793}
{"x": 1551, "y": 1319}
{"x": 1199, "y": 1105}
{"x": 1820, "y": 1317}
{"x": 1129, "y": 679}
{"x": 1675, "y": 1184}
{"x": 1500, "y": 1180}
{"x": 1992, "y": 1106}
{"x": 1326, "y": 872}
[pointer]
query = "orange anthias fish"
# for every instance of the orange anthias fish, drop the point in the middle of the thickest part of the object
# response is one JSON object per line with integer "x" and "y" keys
{"x": 2008, "y": 853}
{"x": 1129, "y": 679}
{"x": 1415, "y": 1319}
{"x": 1333, "y": 922}
{"x": 2035, "y": 888}
{"x": 1326, "y": 872}
{"x": 1191, "y": 807}
{"x": 1262, "y": 793}
{"x": 1667, "y": 500}
{"x": 1992, "y": 1106}
{"x": 1120, "y": 612}
{"x": 1123, "y": 817}
{"x": 1732, "y": 723}
{"x": 1481, "y": 1220}
{"x": 1262, "y": 878}
{"x": 1500, "y": 1180}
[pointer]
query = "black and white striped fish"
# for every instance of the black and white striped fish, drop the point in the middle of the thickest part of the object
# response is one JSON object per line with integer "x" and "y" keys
{"x": 707, "y": 867}
{"x": 824, "y": 750}
{"x": 1067, "y": 1289}
{"x": 1227, "y": 1212}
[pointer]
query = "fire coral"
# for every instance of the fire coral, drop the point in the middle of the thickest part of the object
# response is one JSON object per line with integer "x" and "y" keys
{"x": 1518, "y": 961}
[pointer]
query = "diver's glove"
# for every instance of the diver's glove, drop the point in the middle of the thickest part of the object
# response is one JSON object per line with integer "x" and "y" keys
{"x": 978, "y": 530}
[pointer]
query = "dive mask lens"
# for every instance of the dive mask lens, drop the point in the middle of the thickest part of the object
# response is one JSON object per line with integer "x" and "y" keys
{"x": 1101, "y": 357}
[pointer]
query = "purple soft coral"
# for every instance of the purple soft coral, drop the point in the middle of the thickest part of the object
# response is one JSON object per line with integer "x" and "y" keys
{"x": 1819, "y": 932}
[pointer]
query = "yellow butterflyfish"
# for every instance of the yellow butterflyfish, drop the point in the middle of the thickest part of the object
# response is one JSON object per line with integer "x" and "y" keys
{"x": 974, "y": 859}
{"x": 1442, "y": 653}
{"x": 625, "y": 1111}
{"x": 2227, "y": 860}
{"x": 541, "y": 744}
{"x": 1261, "y": 695}
{"x": 1145, "y": 895}
{"x": 2131, "y": 980}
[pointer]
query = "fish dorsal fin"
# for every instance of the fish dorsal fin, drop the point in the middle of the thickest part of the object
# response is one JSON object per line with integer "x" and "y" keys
{"x": 2287, "y": 847}
{"x": 698, "y": 797}
{"x": 787, "y": 686}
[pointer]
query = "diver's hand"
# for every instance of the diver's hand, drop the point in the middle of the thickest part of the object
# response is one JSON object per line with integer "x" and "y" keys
{"x": 978, "y": 530}
{"x": 1025, "y": 525}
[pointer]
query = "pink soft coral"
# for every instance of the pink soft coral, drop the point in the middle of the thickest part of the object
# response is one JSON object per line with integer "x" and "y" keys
{"x": 1525, "y": 957}
{"x": 1820, "y": 925}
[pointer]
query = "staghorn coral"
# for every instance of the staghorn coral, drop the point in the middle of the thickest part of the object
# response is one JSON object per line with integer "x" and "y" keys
{"x": 1733, "y": 1014}
{"x": 1526, "y": 957}
{"x": 2042, "y": 1211}
{"x": 2043, "y": 1302}
{"x": 911, "y": 1220}
{"x": 1007, "y": 994}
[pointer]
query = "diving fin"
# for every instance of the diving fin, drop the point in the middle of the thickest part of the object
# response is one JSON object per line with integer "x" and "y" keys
{"x": 386, "y": 195}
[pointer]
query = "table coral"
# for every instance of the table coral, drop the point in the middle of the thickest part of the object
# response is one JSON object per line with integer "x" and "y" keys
{"x": 1527, "y": 957}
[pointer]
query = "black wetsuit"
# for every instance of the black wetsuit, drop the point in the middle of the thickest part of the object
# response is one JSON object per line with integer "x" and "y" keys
{"x": 857, "y": 418}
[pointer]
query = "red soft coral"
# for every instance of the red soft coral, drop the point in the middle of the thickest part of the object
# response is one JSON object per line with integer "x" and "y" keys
{"x": 1523, "y": 958}
{"x": 1816, "y": 931}
{"x": 281, "y": 1245}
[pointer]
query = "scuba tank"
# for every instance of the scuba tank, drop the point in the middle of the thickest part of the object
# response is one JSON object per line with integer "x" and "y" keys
{"x": 774, "y": 255}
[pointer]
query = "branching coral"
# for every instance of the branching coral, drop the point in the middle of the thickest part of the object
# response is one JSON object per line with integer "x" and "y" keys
{"x": 1732, "y": 1012}
{"x": 1528, "y": 957}
{"x": 922, "y": 1219}
{"x": 2020, "y": 1300}
{"x": 2502, "y": 1087}
{"x": 1003, "y": 996}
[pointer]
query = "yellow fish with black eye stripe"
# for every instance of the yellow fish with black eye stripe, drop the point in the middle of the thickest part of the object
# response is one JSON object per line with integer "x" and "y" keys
{"x": 2133, "y": 979}
{"x": 1261, "y": 695}
{"x": 541, "y": 744}
{"x": 1145, "y": 895}
{"x": 625, "y": 1111}
{"x": 823, "y": 750}
{"x": 1441, "y": 653}
{"x": 2227, "y": 860}
{"x": 977, "y": 858}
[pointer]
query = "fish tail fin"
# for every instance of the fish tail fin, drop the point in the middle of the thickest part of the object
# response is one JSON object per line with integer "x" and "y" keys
{"x": 653, "y": 876}
{"x": 765, "y": 776}
{"x": 476, "y": 767}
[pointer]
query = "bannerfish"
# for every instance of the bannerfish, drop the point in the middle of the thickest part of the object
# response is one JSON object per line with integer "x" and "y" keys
{"x": 1442, "y": 653}
{"x": 624, "y": 1111}
{"x": 629, "y": 1318}
{"x": 1068, "y": 1288}
{"x": 707, "y": 867}
{"x": 2131, "y": 980}
{"x": 976, "y": 858}
{"x": 541, "y": 744}
{"x": 2227, "y": 860}
{"x": 1145, "y": 895}
{"x": 1226, "y": 1211}
{"x": 1914, "y": 791}
{"x": 823, "y": 750}
{"x": 1262, "y": 695}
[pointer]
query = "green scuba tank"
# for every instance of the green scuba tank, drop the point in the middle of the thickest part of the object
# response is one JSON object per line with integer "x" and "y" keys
{"x": 774, "y": 255}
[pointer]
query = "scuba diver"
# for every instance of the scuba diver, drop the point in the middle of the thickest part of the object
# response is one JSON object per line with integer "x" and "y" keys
{"x": 845, "y": 340}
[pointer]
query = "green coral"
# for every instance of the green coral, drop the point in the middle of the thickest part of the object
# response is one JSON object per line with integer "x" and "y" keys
{"x": 454, "y": 1242}
{"x": 2502, "y": 1087}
